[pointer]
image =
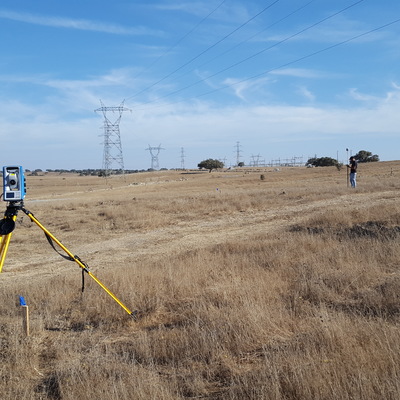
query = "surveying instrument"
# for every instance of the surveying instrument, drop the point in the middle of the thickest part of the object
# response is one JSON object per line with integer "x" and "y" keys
{"x": 14, "y": 189}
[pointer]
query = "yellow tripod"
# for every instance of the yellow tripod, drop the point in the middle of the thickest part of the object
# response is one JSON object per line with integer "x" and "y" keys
{"x": 7, "y": 225}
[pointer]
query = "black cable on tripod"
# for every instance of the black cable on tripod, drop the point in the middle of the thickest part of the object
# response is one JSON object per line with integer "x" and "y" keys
{"x": 86, "y": 269}
{"x": 74, "y": 258}
{"x": 55, "y": 249}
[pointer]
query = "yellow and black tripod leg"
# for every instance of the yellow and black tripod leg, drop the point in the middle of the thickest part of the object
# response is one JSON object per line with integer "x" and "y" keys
{"x": 79, "y": 262}
{"x": 7, "y": 225}
{"x": 5, "y": 238}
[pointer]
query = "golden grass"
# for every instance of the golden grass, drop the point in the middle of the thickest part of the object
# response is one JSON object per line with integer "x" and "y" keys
{"x": 283, "y": 288}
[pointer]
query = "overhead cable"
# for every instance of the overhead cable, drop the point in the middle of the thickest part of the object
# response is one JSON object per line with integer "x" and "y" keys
{"x": 205, "y": 51}
{"x": 288, "y": 63}
{"x": 258, "y": 53}
{"x": 181, "y": 39}
{"x": 249, "y": 38}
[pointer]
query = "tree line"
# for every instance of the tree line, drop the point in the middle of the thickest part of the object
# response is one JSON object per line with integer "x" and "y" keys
{"x": 362, "y": 156}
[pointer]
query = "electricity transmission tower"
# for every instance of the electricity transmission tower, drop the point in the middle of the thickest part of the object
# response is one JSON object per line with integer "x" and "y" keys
{"x": 154, "y": 152}
{"x": 182, "y": 158}
{"x": 223, "y": 160}
{"x": 238, "y": 151}
{"x": 256, "y": 160}
{"x": 112, "y": 138}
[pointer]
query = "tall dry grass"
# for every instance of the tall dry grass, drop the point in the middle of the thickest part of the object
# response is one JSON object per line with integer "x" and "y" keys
{"x": 309, "y": 310}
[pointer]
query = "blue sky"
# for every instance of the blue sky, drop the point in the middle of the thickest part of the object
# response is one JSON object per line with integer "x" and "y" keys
{"x": 279, "y": 78}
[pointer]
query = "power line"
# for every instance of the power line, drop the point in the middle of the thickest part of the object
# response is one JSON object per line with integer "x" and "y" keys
{"x": 258, "y": 53}
{"x": 304, "y": 57}
{"x": 206, "y": 50}
{"x": 176, "y": 44}
{"x": 286, "y": 64}
{"x": 249, "y": 38}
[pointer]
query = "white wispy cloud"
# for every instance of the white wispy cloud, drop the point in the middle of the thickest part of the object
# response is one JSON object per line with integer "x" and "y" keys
{"x": 79, "y": 24}
{"x": 306, "y": 93}
{"x": 299, "y": 73}
{"x": 356, "y": 95}
{"x": 226, "y": 12}
{"x": 265, "y": 129}
{"x": 335, "y": 30}
{"x": 243, "y": 88}
{"x": 196, "y": 8}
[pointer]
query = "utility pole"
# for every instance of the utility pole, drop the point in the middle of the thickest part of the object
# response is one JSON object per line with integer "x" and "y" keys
{"x": 154, "y": 151}
{"x": 112, "y": 139}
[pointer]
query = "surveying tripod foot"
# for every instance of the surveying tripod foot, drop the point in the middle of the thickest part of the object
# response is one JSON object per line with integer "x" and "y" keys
{"x": 135, "y": 315}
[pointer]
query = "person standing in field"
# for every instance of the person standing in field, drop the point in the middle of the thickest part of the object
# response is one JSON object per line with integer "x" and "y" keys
{"x": 353, "y": 171}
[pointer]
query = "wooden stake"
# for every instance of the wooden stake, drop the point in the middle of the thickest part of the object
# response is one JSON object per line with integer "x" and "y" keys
{"x": 25, "y": 319}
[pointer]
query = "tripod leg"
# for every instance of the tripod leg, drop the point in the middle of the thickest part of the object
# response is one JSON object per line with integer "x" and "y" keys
{"x": 4, "y": 243}
{"x": 79, "y": 262}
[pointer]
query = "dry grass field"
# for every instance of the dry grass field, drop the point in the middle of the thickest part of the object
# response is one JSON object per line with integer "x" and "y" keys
{"x": 281, "y": 288}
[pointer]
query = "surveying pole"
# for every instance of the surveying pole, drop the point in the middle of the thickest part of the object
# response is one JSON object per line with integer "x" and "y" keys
{"x": 347, "y": 174}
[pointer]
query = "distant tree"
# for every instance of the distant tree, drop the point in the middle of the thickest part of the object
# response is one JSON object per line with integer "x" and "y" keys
{"x": 323, "y": 162}
{"x": 241, "y": 164}
{"x": 366, "y": 156}
{"x": 103, "y": 173}
{"x": 210, "y": 164}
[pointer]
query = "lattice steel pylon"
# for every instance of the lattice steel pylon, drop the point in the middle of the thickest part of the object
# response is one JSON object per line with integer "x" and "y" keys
{"x": 154, "y": 156}
{"x": 112, "y": 153}
{"x": 238, "y": 151}
{"x": 182, "y": 158}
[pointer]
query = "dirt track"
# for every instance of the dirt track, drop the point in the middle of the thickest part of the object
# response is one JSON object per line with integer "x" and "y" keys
{"x": 186, "y": 236}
